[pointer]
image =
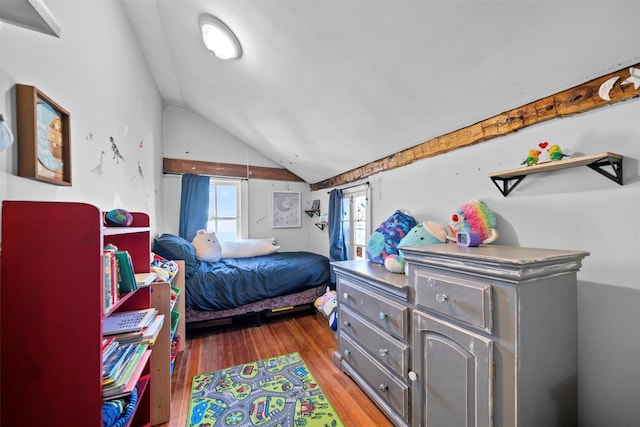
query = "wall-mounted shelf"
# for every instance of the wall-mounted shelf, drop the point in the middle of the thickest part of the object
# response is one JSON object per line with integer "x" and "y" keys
{"x": 507, "y": 180}
{"x": 321, "y": 225}
{"x": 311, "y": 212}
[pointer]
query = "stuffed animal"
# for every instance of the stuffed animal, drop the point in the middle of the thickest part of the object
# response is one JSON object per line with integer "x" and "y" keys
{"x": 207, "y": 246}
{"x": 474, "y": 216}
{"x": 425, "y": 233}
{"x": 327, "y": 303}
{"x": 384, "y": 241}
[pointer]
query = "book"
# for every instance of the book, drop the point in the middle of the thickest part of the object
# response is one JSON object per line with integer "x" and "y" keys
{"x": 131, "y": 366}
{"x": 150, "y": 333}
{"x": 127, "y": 321}
{"x": 145, "y": 279}
{"x": 111, "y": 365}
{"x": 127, "y": 282}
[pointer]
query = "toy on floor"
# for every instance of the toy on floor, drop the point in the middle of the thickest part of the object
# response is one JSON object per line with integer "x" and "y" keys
{"x": 327, "y": 303}
{"x": 474, "y": 216}
{"x": 207, "y": 246}
{"x": 384, "y": 241}
{"x": 425, "y": 233}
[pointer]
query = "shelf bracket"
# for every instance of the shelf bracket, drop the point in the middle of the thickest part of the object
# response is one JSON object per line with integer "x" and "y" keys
{"x": 311, "y": 212}
{"x": 615, "y": 164}
{"x": 507, "y": 185}
{"x": 321, "y": 225}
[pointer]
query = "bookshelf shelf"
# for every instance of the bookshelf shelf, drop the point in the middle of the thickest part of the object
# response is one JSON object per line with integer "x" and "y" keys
{"x": 52, "y": 310}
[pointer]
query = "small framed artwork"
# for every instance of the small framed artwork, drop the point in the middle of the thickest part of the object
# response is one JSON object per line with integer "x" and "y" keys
{"x": 44, "y": 142}
{"x": 286, "y": 210}
{"x": 315, "y": 206}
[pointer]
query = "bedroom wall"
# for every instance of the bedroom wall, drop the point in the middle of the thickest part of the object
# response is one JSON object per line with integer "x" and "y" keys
{"x": 96, "y": 72}
{"x": 568, "y": 209}
{"x": 187, "y": 136}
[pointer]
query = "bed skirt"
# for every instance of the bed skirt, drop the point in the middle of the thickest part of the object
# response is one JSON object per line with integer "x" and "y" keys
{"x": 265, "y": 308}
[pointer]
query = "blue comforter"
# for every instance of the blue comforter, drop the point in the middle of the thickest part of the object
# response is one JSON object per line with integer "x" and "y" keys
{"x": 232, "y": 282}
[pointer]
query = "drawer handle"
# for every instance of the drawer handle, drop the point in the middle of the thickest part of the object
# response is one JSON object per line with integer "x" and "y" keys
{"x": 382, "y": 315}
{"x": 413, "y": 376}
{"x": 442, "y": 297}
{"x": 346, "y": 353}
{"x": 383, "y": 352}
{"x": 345, "y": 296}
{"x": 384, "y": 388}
{"x": 346, "y": 324}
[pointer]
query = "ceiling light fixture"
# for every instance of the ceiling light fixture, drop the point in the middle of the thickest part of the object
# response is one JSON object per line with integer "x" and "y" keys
{"x": 219, "y": 39}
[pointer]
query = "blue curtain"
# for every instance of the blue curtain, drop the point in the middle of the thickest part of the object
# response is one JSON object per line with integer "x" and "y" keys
{"x": 337, "y": 248}
{"x": 194, "y": 205}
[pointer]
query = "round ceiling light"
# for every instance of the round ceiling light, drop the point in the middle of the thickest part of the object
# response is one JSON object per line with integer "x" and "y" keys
{"x": 219, "y": 39}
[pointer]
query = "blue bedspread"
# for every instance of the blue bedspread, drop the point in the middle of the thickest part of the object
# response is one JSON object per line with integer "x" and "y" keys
{"x": 232, "y": 282}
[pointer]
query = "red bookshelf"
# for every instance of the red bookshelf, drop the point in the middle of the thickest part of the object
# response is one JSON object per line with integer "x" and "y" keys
{"x": 51, "y": 307}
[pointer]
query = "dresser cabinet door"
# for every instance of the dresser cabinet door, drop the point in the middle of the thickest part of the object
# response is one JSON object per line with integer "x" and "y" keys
{"x": 453, "y": 366}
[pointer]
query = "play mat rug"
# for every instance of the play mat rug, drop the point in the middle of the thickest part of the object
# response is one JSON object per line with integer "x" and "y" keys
{"x": 279, "y": 392}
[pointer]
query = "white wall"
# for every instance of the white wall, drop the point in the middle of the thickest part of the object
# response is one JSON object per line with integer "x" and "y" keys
{"x": 187, "y": 136}
{"x": 569, "y": 209}
{"x": 96, "y": 72}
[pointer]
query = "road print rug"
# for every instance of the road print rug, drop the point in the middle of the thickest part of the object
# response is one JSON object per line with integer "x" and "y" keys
{"x": 279, "y": 391}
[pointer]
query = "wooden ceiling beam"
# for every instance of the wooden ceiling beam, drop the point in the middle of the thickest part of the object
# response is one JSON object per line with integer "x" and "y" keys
{"x": 578, "y": 99}
{"x": 230, "y": 170}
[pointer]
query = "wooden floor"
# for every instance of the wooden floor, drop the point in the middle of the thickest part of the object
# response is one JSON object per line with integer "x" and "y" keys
{"x": 307, "y": 333}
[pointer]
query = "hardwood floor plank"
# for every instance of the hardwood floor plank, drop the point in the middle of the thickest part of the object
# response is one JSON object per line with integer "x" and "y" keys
{"x": 230, "y": 345}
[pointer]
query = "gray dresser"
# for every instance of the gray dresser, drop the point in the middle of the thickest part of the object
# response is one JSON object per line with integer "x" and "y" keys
{"x": 481, "y": 336}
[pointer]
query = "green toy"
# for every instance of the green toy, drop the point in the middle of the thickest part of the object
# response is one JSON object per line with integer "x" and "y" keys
{"x": 425, "y": 233}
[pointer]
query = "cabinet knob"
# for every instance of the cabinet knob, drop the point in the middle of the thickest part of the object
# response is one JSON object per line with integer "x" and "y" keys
{"x": 382, "y": 315}
{"x": 442, "y": 297}
{"x": 346, "y": 353}
{"x": 384, "y": 388}
{"x": 345, "y": 296}
{"x": 413, "y": 376}
{"x": 346, "y": 324}
{"x": 383, "y": 351}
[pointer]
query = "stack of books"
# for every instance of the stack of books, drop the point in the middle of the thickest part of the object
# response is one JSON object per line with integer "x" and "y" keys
{"x": 122, "y": 367}
{"x": 127, "y": 337}
{"x": 134, "y": 326}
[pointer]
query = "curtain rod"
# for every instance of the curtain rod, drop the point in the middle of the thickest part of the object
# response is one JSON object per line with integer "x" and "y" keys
{"x": 351, "y": 186}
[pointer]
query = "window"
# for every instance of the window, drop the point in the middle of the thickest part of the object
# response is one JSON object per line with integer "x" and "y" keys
{"x": 355, "y": 214}
{"x": 224, "y": 209}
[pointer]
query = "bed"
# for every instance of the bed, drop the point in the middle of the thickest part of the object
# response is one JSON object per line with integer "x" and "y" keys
{"x": 261, "y": 286}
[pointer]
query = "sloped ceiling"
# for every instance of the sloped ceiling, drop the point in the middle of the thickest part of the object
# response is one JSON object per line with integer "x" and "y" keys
{"x": 325, "y": 86}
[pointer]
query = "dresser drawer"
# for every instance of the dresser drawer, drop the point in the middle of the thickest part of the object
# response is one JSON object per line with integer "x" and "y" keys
{"x": 382, "y": 347}
{"x": 462, "y": 299}
{"x": 380, "y": 380}
{"x": 389, "y": 315}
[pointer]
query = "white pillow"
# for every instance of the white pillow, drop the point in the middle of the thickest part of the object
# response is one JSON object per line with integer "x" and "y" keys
{"x": 247, "y": 248}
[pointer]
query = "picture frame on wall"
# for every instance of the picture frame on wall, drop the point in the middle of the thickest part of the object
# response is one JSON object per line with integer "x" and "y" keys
{"x": 286, "y": 209}
{"x": 44, "y": 137}
{"x": 315, "y": 206}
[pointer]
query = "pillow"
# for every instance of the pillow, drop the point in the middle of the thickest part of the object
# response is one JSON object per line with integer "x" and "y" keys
{"x": 247, "y": 248}
{"x": 173, "y": 248}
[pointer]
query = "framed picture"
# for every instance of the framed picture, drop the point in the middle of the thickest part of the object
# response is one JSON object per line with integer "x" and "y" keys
{"x": 315, "y": 206}
{"x": 44, "y": 143}
{"x": 286, "y": 212}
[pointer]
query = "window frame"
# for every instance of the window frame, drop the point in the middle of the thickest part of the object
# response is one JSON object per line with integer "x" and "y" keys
{"x": 348, "y": 196}
{"x": 240, "y": 217}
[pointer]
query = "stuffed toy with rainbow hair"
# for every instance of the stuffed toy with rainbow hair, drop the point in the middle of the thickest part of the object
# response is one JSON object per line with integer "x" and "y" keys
{"x": 473, "y": 216}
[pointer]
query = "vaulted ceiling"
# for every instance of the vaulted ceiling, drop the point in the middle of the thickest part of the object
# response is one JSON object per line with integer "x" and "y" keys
{"x": 325, "y": 86}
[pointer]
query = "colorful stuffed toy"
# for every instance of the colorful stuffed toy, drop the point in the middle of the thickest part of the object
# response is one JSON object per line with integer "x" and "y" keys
{"x": 384, "y": 241}
{"x": 207, "y": 246}
{"x": 425, "y": 233}
{"x": 476, "y": 217}
{"x": 327, "y": 303}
